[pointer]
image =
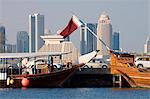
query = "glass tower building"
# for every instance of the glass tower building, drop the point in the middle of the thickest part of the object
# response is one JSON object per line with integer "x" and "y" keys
{"x": 22, "y": 42}
{"x": 88, "y": 42}
{"x": 2, "y": 39}
{"x": 116, "y": 41}
{"x": 36, "y": 29}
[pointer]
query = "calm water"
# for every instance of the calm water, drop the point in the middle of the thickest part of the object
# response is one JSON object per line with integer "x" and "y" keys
{"x": 75, "y": 93}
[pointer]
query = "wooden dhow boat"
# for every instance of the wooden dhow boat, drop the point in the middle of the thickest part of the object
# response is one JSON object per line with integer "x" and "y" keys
{"x": 44, "y": 78}
{"x": 123, "y": 64}
{"x": 41, "y": 75}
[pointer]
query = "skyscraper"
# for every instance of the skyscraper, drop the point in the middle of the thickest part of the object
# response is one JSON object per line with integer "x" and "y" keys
{"x": 147, "y": 45}
{"x": 88, "y": 42}
{"x": 2, "y": 39}
{"x": 36, "y": 29}
{"x": 104, "y": 32}
{"x": 116, "y": 41}
{"x": 22, "y": 41}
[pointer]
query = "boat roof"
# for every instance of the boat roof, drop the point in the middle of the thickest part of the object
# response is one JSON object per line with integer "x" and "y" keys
{"x": 123, "y": 54}
{"x": 120, "y": 53}
{"x": 37, "y": 54}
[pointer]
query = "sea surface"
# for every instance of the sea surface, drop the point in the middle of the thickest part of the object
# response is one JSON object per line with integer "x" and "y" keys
{"x": 75, "y": 93}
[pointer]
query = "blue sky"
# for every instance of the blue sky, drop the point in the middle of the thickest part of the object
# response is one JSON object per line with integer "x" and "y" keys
{"x": 131, "y": 18}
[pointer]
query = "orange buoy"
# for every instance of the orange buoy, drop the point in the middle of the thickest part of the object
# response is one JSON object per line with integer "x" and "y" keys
{"x": 25, "y": 82}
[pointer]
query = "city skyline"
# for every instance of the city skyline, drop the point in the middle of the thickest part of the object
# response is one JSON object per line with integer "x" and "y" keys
{"x": 123, "y": 14}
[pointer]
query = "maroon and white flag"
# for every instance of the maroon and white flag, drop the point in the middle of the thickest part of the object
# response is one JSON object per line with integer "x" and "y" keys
{"x": 73, "y": 24}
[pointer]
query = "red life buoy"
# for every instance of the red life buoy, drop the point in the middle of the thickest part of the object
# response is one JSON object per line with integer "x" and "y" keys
{"x": 25, "y": 82}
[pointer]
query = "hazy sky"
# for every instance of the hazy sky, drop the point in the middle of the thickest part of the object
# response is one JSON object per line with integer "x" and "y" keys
{"x": 130, "y": 17}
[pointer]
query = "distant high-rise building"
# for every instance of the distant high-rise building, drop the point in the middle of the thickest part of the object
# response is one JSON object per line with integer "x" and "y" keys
{"x": 147, "y": 45}
{"x": 2, "y": 39}
{"x": 10, "y": 48}
{"x": 36, "y": 29}
{"x": 104, "y": 32}
{"x": 88, "y": 42}
{"x": 22, "y": 42}
{"x": 116, "y": 41}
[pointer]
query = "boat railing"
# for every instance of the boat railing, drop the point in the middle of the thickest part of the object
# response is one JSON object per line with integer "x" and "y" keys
{"x": 42, "y": 68}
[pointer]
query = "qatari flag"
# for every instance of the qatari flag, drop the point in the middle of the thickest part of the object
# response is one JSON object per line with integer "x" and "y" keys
{"x": 73, "y": 24}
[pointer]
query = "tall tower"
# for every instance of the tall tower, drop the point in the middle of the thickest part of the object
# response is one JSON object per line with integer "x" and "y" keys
{"x": 147, "y": 45}
{"x": 116, "y": 41}
{"x": 22, "y": 41}
{"x": 104, "y": 32}
{"x": 2, "y": 39}
{"x": 88, "y": 42}
{"x": 36, "y": 29}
